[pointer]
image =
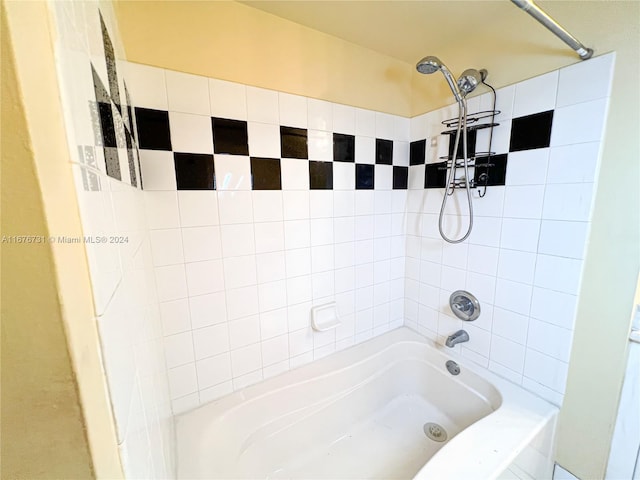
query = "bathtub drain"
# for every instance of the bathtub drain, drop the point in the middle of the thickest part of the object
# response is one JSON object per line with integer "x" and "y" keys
{"x": 435, "y": 432}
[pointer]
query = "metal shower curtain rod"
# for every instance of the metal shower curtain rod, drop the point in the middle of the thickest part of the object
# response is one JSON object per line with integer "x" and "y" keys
{"x": 536, "y": 12}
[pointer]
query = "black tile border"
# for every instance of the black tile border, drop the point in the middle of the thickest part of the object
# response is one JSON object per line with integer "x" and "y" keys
{"x": 344, "y": 147}
{"x": 266, "y": 174}
{"x": 194, "y": 171}
{"x": 384, "y": 151}
{"x": 320, "y": 175}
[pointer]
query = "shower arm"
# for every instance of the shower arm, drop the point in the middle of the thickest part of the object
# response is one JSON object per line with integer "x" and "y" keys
{"x": 536, "y": 12}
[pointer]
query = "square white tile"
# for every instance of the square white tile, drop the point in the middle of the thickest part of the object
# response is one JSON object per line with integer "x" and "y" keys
{"x": 557, "y": 273}
{"x": 383, "y": 177}
{"x": 269, "y": 237}
{"x": 246, "y": 360}
{"x": 273, "y": 323}
{"x": 210, "y": 309}
{"x": 213, "y": 370}
{"x": 549, "y": 339}
{"x": 510, "y": 325}
{"x": 161, "y": 209}
{"x": 166, "y": 247}
{"x": 573, "y": 163}
{"x": 178, "y": 349}
{"x": 365, "y": 122}
{"x": 517, "y": 266}
{"x": 482, "y": 259}
{"x": 321, "y": 204}
{"x": 554, "y": 307}
{"x": 528, "y": 167}
{"x": 563, "y": 239}
{"x": 238, "y": 239}
{"x": 210, "y": 341}
{"x": 275, "y": 350}
{"x": 344, "y": 176}
{"x": 228, "y": 99}
{"x": 365, "y": 150}
{"x": 198, "y": 208}
{"x": 235, "y": 207}
{"x": 520, "y": 234}
{"x": 147, "y": 86}
{"x": 242, "y": 302}
{"x": 580, "y": 123}
{"x": 524, "y": 201}
{"x": 293, "y": 110}
{"x": 244, "y": 331}
{"x": 295, "y": 205}
{"x": 157, "y": 170}
{"x": 320, "y": 144}
{"x": 320, "y": 115}
{"x": 299, "y": 290}
{"x": 190, "y": 133}
{"x": 568, "y": 202}
{"x": 344, "y": 119}
{"x": 385, "y": 126}
{"x": 546, "y": 370}
{"x": 513, "y": 296}
{"x": 508, "y": 353}
{"x": 240, "y": 271}
{"x": 270, "y": 266}
{"x": 297, "y": 234}
{"x": 295, "y": 174}
{"x": 233, "y": 172}
{"x": 201, "y": 243}
{"x": 187, "y": 93}
{"x": 262, "y": 105}
{"x": 267, "y": 205}
{"x": 171, "y": 282}
{"x": 204, "y": 277}
{"x": 175, "y": 316}
{"x": 264, "y": 140}
{"x": 272, "y": 295}
{"x": 182, "y": 380}
{"x": 536, "y": 95}
{"x": 573, "y": 89}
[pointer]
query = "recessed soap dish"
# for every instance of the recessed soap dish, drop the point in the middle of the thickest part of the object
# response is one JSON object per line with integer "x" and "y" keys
{"x": 324, "y": 317}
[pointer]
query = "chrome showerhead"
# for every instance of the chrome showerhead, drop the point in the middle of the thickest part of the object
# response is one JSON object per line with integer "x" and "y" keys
{"x": 429, "y": 65}
{"x": 470, "y": 79}
{"x": 432, "y": 64}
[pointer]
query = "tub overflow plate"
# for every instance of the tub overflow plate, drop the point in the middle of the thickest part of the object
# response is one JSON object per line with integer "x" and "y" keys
{"x": 435, "y": 432}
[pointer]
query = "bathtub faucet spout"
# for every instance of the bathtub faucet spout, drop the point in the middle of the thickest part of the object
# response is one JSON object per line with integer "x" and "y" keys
{"x": 458, "y": 337}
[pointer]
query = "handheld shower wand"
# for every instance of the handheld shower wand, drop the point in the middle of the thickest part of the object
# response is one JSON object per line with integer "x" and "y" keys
{"x": 467, "y": 83}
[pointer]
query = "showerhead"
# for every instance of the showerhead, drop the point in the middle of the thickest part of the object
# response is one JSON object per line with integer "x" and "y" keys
{"x": 432, "y": 64}
{"x": 429, "y": 65}
{"x": 470, "y": 79}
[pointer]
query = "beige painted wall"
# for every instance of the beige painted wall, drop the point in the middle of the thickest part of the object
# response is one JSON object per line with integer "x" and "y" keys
{"x": 231, "y": 41}
{"x": 56, "y": 416}
{"x": 612, "y": 263}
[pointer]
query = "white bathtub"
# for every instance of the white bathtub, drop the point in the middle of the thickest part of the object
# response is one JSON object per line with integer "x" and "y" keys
{"x": 360, "y": 414}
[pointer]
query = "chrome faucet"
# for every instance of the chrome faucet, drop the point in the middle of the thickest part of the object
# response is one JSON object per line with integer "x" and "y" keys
{"x": 459, "y": 337}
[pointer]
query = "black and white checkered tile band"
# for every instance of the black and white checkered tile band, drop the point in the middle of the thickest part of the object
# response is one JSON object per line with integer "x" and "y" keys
{"x": 231, "y": 138}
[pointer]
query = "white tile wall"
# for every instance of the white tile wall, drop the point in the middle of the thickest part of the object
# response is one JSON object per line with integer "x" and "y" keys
{"x": 130, "y": 320}
{"x": 239, "y": 270}
{"x": 524, "y": 257}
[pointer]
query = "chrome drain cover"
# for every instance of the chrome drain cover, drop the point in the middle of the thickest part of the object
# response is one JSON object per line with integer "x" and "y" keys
{"x": 435, "y": 432}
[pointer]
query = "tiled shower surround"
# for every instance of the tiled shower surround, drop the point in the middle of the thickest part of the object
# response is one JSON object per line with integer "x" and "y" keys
{"x": 297, "y": 202}
{"x": 258, "y": 205}
{"x": 263, "y": 204}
